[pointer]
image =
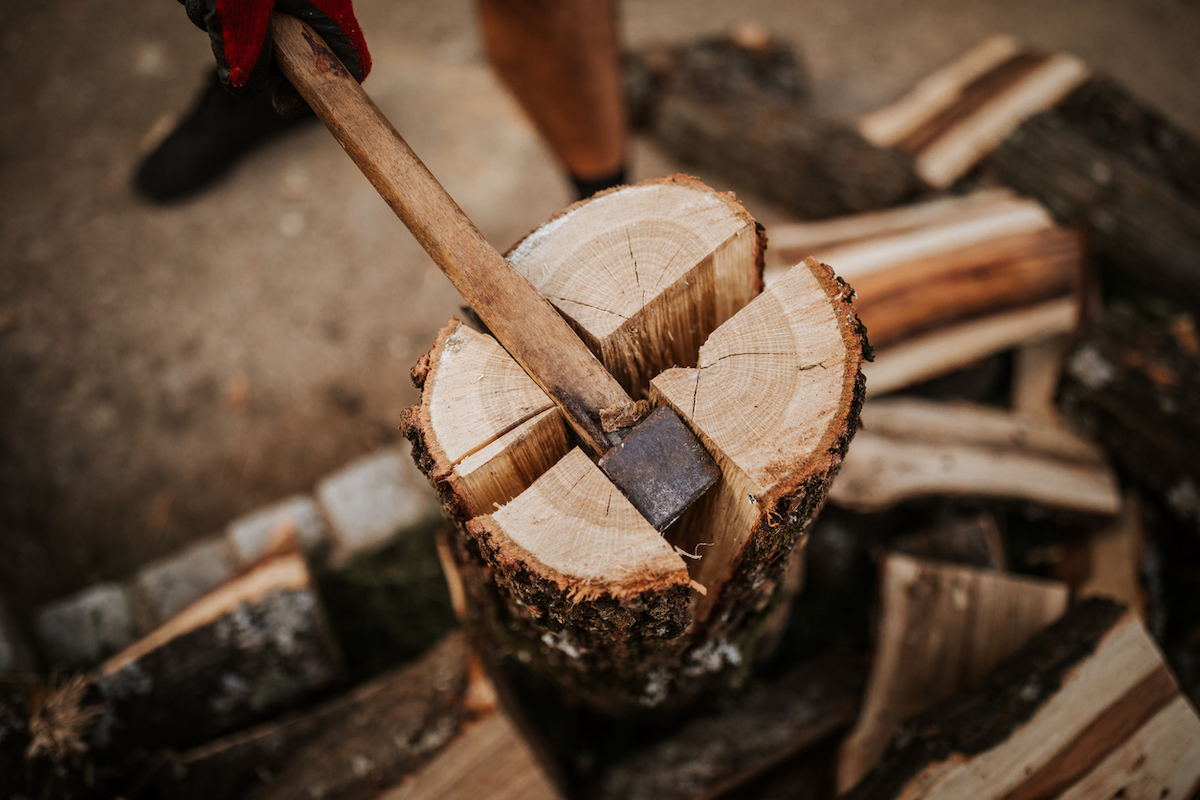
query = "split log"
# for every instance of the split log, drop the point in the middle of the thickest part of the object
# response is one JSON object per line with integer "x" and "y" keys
{"x": 973, "y": 540}
{"x": 1109, "y": 561}
{"x": 490, "y": 759}
{"x": 1036, "y": 370}
{"x": 1087, "y": 709}
{"x": 722, "y": 751}
{"x": 735, "y": 105}
{"x": 363, "y": 742}
{"x": 956, "y": 116}
{"x": 1134, "y": 387}
{"x": 566, "y": 571}
{"x": 248, "y": 649}
{"x": 1104, "y": 161}
{"x": 942, "y": 629}
{"x": 946, "y": 282}
{"x": 913, "y": 448}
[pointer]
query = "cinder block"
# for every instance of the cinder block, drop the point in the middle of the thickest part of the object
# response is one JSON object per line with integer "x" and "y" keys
{"x": 15, "y": 655}
{"x": 373, "y": 499}
{"x": 87, "y": 627}
{"x": 170, "y": 583}
{"x": 252, "y": 535}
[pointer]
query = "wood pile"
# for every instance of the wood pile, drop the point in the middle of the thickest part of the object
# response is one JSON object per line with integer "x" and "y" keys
{"x": 968, "y": 567}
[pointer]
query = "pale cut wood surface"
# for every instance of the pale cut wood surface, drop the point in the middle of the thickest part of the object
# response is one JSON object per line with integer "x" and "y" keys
{"x": 794, "y": 241}
{"x": 960, "y": 422}
{"x": 496, "y": 430}
{"x": 1161, "y": 760}
{"x": 927, "y": 356}
{"x": 490, "y": 761}
{"x": 888, "y": 126}
{"x": 973, "y": 225}
{"x": 574, "y": 528}
{"x": 957, "y": 151}
{"x": 520, "y": 318}
{"x": 931, "y": 292}
{"x": 646, "y": 272}
{"x": 1081, "y": 706}
{"x": 769, "y": 398}
{"x": 1036, "y": 759}
{"x": 928, "y": 449}
{"x": 1114, "y": 558}
{"x": 942, "y": 629}
{"x": 1036, "y": 370}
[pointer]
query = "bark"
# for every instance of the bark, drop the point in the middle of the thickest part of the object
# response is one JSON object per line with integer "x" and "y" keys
{"x": 1087, "y": 703}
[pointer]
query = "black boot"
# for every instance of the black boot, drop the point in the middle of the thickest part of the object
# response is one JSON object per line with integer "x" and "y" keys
{"x": 586, "y": 188}
{"x": 218, "y": 131}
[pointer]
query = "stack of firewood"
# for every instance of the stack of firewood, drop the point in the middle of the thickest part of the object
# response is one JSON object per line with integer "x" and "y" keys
{"x": 967, "y": 567}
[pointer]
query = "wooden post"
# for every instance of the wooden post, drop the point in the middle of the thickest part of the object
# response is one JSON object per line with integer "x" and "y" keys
{"x": 553, "y": 561}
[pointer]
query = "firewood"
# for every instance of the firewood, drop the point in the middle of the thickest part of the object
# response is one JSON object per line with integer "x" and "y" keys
{"x": 1103, "y": 161}
{"x": 253, "y": 646}
{"x": 489, "y": 759}
{"x": 564, "y": 570}
{"x": 943, "y": 283}
{"x": 1112, "y": 559}
{"x": 722, "y": 750}
{"x": 959, "y": 114}
{"x": 1037, "y": 367}
{"x": 248, "y": 649}
{"x": 940, "y": 352}
{"x": 366, "y": 740}
{"x": 942, "y": 629}
{"x": 1134, "y": 386}
{"x": 918, "y": 448}
{"x": 973, "y": 540}
{"x": 1087, "y": 709}
{"x": 736, "y": 105}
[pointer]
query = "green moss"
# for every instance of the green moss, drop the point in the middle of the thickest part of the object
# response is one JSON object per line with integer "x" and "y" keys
{"x": 387, "y": 608}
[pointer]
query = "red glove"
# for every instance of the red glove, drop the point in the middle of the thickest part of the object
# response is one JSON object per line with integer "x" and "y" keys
{"x": 241, "y": 37}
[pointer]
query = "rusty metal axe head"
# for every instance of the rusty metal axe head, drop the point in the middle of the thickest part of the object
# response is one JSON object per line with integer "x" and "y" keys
{"x": 661, "y": 467}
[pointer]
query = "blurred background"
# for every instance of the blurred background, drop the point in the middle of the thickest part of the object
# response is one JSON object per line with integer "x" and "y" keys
{"x": 166, "y": 368}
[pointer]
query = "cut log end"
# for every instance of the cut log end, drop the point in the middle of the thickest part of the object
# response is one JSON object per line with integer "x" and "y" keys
{"x": 554, "y": 560}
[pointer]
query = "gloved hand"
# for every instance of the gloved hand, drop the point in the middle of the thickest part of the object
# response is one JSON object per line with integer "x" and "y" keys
{"x": 241, "y": 39}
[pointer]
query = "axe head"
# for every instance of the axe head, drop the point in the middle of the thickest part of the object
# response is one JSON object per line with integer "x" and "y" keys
{"x": 661, "y": 467}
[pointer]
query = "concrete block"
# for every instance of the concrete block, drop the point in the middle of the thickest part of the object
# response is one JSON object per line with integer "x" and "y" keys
{"x": 170, "y": 583}
{"x": 87, "y": 627}
{"x": 372, "y": 499}
{"x": 15, "y": 655}
{"x": 252, "y": 535}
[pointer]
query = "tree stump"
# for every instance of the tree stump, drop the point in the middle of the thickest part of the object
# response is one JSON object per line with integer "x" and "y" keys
{"x": 554, "y": 562}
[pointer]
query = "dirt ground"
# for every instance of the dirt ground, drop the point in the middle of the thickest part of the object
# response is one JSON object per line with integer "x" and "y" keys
{"x": 164, "y": 369}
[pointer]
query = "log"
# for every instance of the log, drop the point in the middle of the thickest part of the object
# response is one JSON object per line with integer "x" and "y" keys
{"x": 1036, "y": 370}
{"x": 959, "y": 114}
{"x": 1087, "y": 709}
{"x": 972, "y": 540}
{"x": 918, "y": 448}
{"x": 362, "y": 742}
{"x": 490, "y": 759}
{"x": 1112, "y": 559}
{"x": 946, "y": 282}
{"x": 1134, "y": 386}
{"x": 942, "y": 629}
{"x": 1143, "y": 220}
{"x": 552, "y": 560}
{"x": 250, "y": 648}
{"x": 735, "y": 105}
{"x": 721, "y": 751}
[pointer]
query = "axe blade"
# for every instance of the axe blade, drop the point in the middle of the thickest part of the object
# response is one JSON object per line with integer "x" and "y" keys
{"x": 661, "y": 467}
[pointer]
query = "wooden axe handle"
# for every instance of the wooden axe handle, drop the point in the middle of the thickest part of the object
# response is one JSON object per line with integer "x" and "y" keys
{"x": 521, "y": 319}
